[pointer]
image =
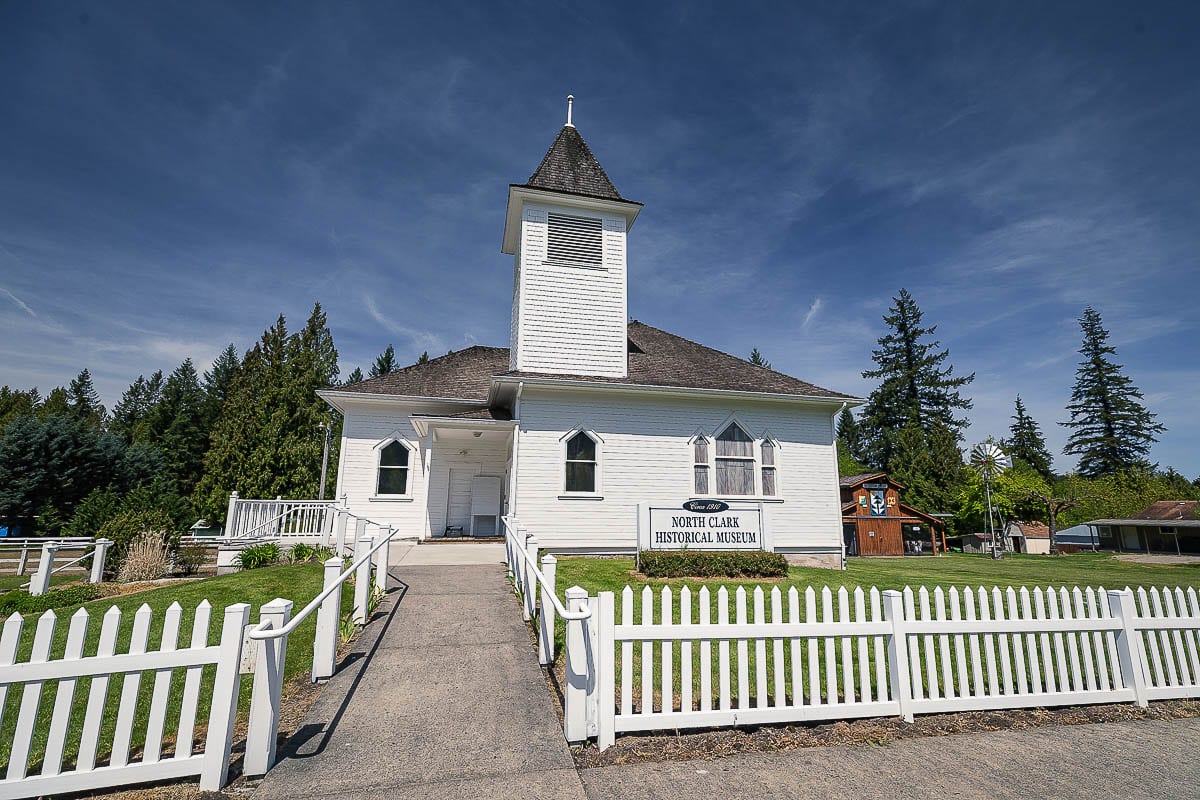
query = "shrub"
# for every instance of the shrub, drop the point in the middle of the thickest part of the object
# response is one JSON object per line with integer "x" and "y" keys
{"x": 19, "y": 601}
{"x": 713, "y": 564}
{"x": 129, "y": 525}
{"x": 309, "y": 554}
{"x": 148, "y": 558}
{"x": 192, "y": 558}
{"x": 259, "y": 555}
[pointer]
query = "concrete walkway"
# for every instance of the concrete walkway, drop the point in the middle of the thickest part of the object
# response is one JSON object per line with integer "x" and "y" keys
{"x": 446, "y": 700}
{"x": 1152, "y": 760}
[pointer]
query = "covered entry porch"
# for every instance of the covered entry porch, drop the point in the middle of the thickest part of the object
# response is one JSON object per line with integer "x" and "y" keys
{"x": 467, "y": 461}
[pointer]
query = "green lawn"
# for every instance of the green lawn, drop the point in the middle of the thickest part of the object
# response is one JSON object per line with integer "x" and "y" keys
{"x": 613, "y": 574}
{"x": 10, "y": 582}
{"x": 298, "y": 583}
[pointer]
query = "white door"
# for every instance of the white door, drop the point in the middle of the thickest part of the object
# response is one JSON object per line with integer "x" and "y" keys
{"x": 485, "y": 505}
{"x": 458, "y": 504}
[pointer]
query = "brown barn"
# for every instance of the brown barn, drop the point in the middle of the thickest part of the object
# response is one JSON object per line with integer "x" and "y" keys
{"x": 876, "y": 523}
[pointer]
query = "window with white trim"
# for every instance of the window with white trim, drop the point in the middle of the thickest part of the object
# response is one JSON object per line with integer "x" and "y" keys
{"x": 767, "y": 452}
{"x": 734, "y": 461}
{"x": 393, "y": 469}
{"x": 581, "y": 463}
{"x": 700, "y": 467}
{"x": 577, "y": 241}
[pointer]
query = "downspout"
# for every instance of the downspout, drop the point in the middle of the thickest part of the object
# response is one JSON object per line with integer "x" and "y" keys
{"x": 837, "y": 487}
{"x": 516, "y": 449}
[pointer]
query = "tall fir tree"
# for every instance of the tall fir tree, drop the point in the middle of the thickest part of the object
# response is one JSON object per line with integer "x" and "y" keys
{"x": 929, "y": 465}
{"x": 217, "y": 381}
{"x": 917, "y": 385}
{"x": 1111, "y": 428}
{"x": 56, "y": 404}
{"x": 133, "y": 417}
{"x": 757, "y": 359}
{"x": 385, "y": 362}
{"x": 180, "y": 424}
{"x": 84, "y": 401}
{"x": 15, "y": 403}
{"x": 268, "y": 439}
{"x": 354, "y": 377}
{"x": 424, "y": 357}
{"x": 1025, "y": 441}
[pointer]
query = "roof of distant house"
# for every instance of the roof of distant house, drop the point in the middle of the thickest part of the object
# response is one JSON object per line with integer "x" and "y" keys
{"x": 656, "y": 359}
{"x": 1033, "y": 530}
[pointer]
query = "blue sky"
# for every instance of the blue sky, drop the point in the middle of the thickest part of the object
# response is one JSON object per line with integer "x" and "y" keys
{"x": 173, "y": 175}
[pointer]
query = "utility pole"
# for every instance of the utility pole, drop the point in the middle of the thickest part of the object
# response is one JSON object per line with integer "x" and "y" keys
{"x": 328, "y": 428}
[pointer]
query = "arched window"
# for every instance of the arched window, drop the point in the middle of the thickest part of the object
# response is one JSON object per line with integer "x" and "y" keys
{"x": 734, "y": 461}
{"x": 700, "y": 467}
{"x": 393, "y": 469}
{"x": 767, "y": 449}
{"x": 581, "y": 463}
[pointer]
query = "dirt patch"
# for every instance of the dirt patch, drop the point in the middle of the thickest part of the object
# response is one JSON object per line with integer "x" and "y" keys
{"x": 113, "y": 589}
{"x": 711, "y": 744}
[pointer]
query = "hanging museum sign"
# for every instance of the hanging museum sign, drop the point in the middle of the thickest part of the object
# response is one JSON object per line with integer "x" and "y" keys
{"x": 700, "y": 525}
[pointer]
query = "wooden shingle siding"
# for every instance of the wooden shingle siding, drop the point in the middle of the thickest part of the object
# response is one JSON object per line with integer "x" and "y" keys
{"x": 647, "y": 455}
{"x": 570, "y": 319}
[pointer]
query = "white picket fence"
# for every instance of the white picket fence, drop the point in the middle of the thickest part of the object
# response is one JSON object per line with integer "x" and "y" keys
{"x": 102, "y": 667}
{"x": 696, "y": 659}
{"x": 681, "y": 661}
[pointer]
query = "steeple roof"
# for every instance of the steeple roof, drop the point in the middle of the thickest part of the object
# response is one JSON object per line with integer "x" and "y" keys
{"x": 570, "y": 167}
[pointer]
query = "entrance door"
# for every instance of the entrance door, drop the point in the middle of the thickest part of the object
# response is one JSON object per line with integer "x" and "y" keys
{"x": 458, "y": 503}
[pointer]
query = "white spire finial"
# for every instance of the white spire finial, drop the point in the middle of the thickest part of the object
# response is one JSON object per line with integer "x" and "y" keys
{"x": 570, "y": 107}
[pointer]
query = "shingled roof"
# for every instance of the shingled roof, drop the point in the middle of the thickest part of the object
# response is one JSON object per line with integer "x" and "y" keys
{"x": 656, "y": 358}
{"x": 462, "y": 375}
{"x": 570, "y": 167}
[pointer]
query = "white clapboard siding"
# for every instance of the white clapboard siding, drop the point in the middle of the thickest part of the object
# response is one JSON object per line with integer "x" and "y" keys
{"x": 825, "y": 655}
{"x": 104, "y": 667}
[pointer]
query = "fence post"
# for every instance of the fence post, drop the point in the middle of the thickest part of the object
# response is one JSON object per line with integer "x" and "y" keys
{"x": 576, "y": 689}
{"x": 99, "y": 554}
{"x": 339, "y": 532}
{"x": 362, "y": 576}
{"x": 529, "y": 597}
{"x": 231, "y": 516}
{"x": 325, "y": 644}
{"x": 40, "y": 584}
{"x": 263, "y": 729}
{"x": 546, "y": 614}
{"x": 897, "y": 650}
{"x": 223, "y": 714}
{"x": 383, "y": 561}
{"x": 1129, "y": 644}
{"x": 606, "y": 677}
{"x": 24, "y": 560}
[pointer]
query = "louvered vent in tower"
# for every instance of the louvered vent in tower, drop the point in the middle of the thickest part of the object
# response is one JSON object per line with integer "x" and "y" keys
{"x": 578, "y": 241}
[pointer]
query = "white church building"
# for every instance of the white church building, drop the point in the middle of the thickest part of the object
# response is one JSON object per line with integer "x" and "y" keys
{"x": 588, "y": 424}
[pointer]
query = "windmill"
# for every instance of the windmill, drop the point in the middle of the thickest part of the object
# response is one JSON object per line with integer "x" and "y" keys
{"x": 989, "y": 461}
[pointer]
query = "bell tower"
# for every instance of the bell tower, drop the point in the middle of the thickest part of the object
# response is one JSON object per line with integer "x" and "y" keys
{"x": 566, "y": 227}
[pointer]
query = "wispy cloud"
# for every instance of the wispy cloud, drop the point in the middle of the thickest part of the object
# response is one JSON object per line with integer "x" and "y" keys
{"x": 814, "y": 309}
{"x": 21, "y": 304}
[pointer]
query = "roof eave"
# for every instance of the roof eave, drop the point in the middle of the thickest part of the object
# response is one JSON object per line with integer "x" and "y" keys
{"x": 337, "y": 398}
{"x": 519, "y": 194}
{"x": 569, "y": 383}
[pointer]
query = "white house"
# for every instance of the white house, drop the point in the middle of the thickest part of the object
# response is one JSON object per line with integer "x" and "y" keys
{"x": 585, "y": 416}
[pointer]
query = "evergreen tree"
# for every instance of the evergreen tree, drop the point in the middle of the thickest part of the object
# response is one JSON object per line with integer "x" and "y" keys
{"x": 180, "y": 425}
{"x": 1026, "y": 443}
{"x": 424, "y": 357}
{"x": 757, "y": 359}
{"x": 1111, "y": 430}
{"x": 915, "y": 387}
{"x": 385, "y": 362}
{"x": 84, "y": 401}
{"x": 16, "y": 403}
{"x": 56, "y": 404}
{"x": 849, "y": 435}
{"x": 268, "y": 439}
{"x": 133, "y": 417}
{"x": 929, "y": 465}
{"x": 354, "y": 377}
{"x": 217, "y": 381}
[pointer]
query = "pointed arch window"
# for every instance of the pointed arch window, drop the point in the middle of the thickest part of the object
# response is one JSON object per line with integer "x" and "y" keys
{"x": 734, "y": 461}
{"x": 582, "y": 463}
{"x": 701, "y": 468}
{"x": 393, "y": 472}
{"x": 767, "y": 454}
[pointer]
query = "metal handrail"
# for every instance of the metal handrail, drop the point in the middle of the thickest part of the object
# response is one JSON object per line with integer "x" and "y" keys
{"x": 261, "y": 632}
{"x": 559, "y": 609}
{"x": 300, "y": 505}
